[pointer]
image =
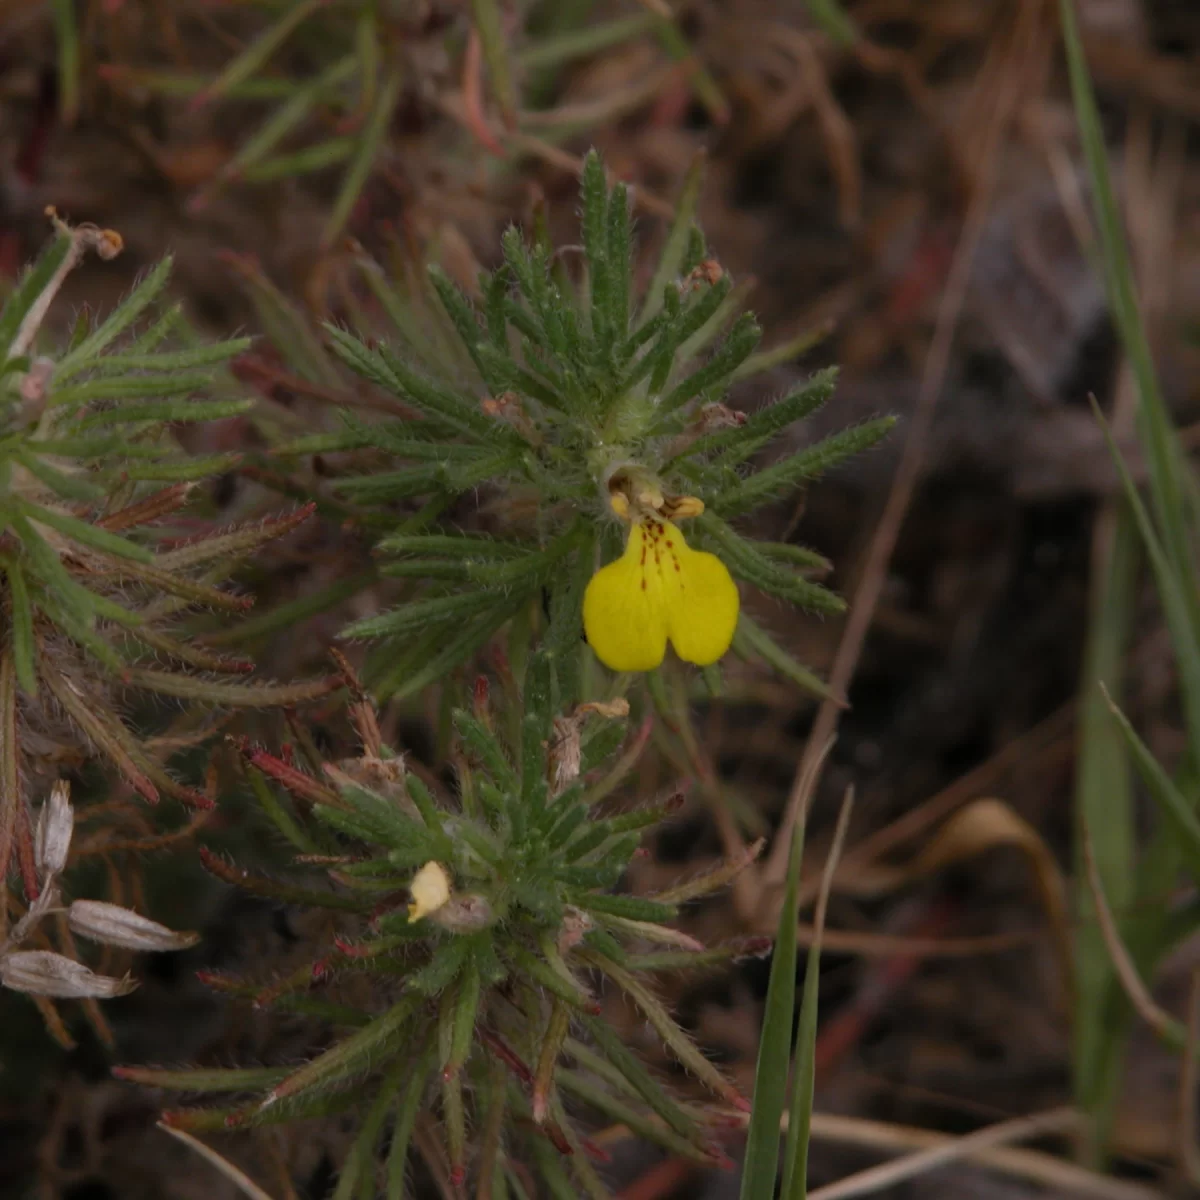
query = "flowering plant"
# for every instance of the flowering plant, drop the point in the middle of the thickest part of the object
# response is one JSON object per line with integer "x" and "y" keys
{"x": 591, "y": 425}
{"x": 589, "y": 422}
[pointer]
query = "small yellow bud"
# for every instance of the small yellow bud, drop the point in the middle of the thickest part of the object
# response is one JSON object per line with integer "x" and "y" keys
{"x": 675, "y": 508}
{"x": 430, "y": 889}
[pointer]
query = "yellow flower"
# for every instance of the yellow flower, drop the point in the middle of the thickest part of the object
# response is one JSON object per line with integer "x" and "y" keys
{"x": 430, "y": 889}
{"x": 660, "y": 589}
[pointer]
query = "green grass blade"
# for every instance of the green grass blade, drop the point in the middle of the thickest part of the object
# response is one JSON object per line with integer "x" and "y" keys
{"x": 361, "y": 164}
{"x": 489, "y": 26}
{"x": 1172, "y": 803}
{"x": 255, "y": 56}
{"x": 1103, "y": 803}
{"x": 704, "y": 86}
{"x": 286, "y": 117}
{"x": 66, "y": 30}
{"x": 1154, "y": 424}
{"x": 309, "y": 159}
{"x": 760, "y": 1166}
{"x": 795, "y": 1157}
{"x": 832, "y": 18}
{"x": 558, "y": 49}
{"x": 1172, "y": 592}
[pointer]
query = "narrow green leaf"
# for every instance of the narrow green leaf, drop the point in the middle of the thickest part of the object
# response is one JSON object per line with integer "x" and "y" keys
{"x": 630, "y": 1066}
{"x": 1172, "y": 592}
{"x": 738, "y": 444}
{"x": 66, "y": 31}
{"x": 655, "y": 1012}
{"x": 69, "y": 486}
{"x": 559, "y": 49}
{"x": 255, "y": 56}
{"x": 286, "y": 117}
{"x": 785, "y": 352}
{"x": 700, "y": 78}
{"x": 675, "y": 245}
{"x": 742, "y": 557}
{"x": 1172, "y": 803}
{"x": 32, "y": 284}
{"x": 466, "y": 1009}
{"x": 318, "y": 157}
{"x": 365, "y": 154}
{"x": 761, "y": 1163}
{"x": 1154, "y": 424}
{"x": 47, "y": 567}
{"x": 125, "y": 314}
{"x": 420, "y": 614}
{"x": 184, "y": 471}
{"x": 778, "y": 480}
{"x": 359, "y": 1168}
{"x": 189, "y": 411}
{"x": 832, "y": 18}
{"x": 86, "y": 534}
{"x": 208, "y": 354}
{"x": 488, "y": 23}
{"x": 1104, "y": 804}
{"x": 287, "y": 328}
{"x": 751, "y": 640}
{"x": 204, "y": 1079}
{"x": 406, "y": 1116}
{"x": 795, "y": 1159}
{"x": 620, "y": 1113}
{"x": 354, "y": 1055}
{"x": 738, "y": 347}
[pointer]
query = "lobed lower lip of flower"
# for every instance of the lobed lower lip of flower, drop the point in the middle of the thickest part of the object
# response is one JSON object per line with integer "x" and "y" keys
{"x": 660, "y": 590}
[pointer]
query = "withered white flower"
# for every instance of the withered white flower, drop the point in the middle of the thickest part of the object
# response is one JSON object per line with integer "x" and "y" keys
{"x": 44, "y": 973}
{"x": 116, "y": 926}
{"x": 430, "y": 889}
{"x": 55, "y": 825}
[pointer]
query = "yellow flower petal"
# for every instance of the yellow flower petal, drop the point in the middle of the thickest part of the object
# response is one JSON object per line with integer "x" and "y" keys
{"x": 430, "y": 889}
{"x": 660, "y": 589}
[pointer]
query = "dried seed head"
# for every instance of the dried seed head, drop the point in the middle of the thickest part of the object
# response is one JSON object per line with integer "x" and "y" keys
{"x": 464, "y": 913}
{"x": 566, "y": 747}
{"x": 566, "y": 752}
{"x": 44, "y": 973}
{"x": 56, "y": 823}
{"x": 113, "y": 925}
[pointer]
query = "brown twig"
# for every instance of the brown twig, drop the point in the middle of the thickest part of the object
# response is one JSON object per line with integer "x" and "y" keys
{"x": 1027, "y": 52}
{"x": 1059, "y": 1120}
{"x": 1139, "y": 995}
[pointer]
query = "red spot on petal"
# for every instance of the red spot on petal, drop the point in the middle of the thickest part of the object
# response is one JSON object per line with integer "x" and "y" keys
{"x": 643, "y": 583}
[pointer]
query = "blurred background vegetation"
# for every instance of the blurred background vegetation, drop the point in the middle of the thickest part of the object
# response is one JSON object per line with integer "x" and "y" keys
{"x": 899, "y": 187}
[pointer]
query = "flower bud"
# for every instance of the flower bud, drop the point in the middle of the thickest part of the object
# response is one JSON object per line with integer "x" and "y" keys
{"x": 430, "y": 889}
{"x": 116, "y": 926}
{"x": 44, "y": 973}
{"x": 56, "y": 823}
